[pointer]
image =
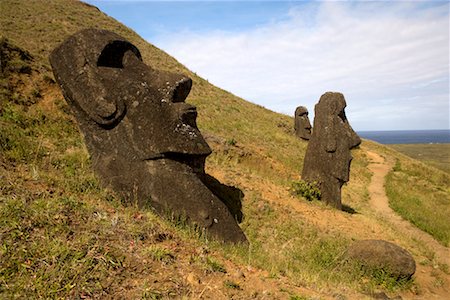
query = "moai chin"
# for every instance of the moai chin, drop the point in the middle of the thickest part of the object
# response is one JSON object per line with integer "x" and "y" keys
{"x": 328, "y": 157}
{"x": 141, "y": 135}
{"x": 302, "y": 125}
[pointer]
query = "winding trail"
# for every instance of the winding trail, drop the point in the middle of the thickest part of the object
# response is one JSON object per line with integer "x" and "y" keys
{"x": 379, "y": 201}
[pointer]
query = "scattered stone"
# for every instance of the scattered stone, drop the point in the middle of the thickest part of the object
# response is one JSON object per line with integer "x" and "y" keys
{"x": 328, "y": 157}
{"x": 141, "y": 135}
{"x": 193, "y": 279}
{"x": 378, "y": 254}
{"x": 338, "y": 296}
{"x": 238, "y": 274}
{"x": 302, "y": 125}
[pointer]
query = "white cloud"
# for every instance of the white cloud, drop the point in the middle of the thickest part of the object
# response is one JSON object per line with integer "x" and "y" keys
{"x": 391, "y": 61}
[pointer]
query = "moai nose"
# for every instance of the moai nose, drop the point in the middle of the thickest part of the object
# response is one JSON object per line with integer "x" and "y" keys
{"x": 181, "y": 89}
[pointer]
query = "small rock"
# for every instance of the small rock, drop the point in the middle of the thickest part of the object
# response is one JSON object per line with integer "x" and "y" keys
{"x": 193, "y": 279}
{"x": 238, "y": 274}
{"x": 338, "y": 296}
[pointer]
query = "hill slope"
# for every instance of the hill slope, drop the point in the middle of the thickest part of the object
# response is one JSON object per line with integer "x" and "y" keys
{"x": 63, "y": 235}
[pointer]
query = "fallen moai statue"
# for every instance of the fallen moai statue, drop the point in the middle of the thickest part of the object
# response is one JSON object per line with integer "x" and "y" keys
{"x": 141, "y": 135}
{"x": 302, "y": 125}
{"x": 328, "y": 157}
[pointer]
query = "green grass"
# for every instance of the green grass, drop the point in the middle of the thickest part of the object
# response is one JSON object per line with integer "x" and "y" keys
{"x": 422, "y": 196}
{"x": 213, "y": 265}
{"x": 383, "y": 278}
{"x": 64, "y": 236}
{"x": 436, "y": 155}
{"x": 417, "y": 191}
{"x": 284, "y": 245}
{"x": 45, "y": 255}
{"x": 306, "y": 190}
{"x": 159, "y": 253}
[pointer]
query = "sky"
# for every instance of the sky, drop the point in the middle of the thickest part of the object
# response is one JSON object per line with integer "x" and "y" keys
{"x": 390, "y": 59}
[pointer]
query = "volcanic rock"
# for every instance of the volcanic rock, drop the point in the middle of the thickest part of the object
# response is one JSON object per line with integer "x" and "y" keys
{"x": 328, "y": 157}
{"x": 141, "y": 135}
{"x": 378, "y": 254}
{"x": 302, "y": 125}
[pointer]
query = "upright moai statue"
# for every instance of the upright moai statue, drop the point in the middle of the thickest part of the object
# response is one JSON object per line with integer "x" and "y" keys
{"x": 302, "y": 125}
{"x": 141, "y": 135}
{"x": 328, "y": 157}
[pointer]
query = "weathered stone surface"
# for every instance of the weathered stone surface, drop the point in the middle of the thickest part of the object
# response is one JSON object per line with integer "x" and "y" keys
{"x": 142, "y": 136}
{"x": 328, "y": 157}
{"x": 378, "y": 254}
{"x": 302, "y": 125}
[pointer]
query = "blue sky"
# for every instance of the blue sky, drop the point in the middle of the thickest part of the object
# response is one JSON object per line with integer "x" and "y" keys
{"x": 390, "y": 59}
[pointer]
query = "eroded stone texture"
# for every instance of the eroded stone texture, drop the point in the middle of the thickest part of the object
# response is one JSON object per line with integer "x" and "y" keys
{"x": 328, "y": 157}
{"x": 378, "y": 254}
{"x": 302, "y": 125}
{"x": 142, "y": 136}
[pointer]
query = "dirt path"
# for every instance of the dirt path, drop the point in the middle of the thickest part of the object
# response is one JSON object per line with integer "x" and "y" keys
{"x": 379, "y": 201}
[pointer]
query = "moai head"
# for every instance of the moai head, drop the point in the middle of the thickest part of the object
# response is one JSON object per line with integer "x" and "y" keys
{"x": 302, "y": 125}
{"x": 328, "y": 156}
{"x": 142, "y": 136}
{"x": 104, "y": 79}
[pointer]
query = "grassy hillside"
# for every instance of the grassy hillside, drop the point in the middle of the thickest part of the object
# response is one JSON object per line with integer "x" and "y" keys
{"x": 436, "y": 155}
{"x": 63, "y": 235}
{"x": 419, "y": 193}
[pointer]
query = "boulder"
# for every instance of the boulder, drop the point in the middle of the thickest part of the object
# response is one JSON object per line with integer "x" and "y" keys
{"x": 141, "y": 135}
{"x": 328, "y": 157}
{"x": 379, "y": 254}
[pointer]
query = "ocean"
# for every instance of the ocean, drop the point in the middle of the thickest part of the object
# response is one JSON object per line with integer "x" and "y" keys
{"x": 407, "y": 136}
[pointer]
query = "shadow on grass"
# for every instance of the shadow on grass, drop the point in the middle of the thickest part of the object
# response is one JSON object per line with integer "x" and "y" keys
{"x": 348, "y": 209}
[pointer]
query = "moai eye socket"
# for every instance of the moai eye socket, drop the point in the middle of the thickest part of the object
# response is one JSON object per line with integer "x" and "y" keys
{"x": 112, "y": 54}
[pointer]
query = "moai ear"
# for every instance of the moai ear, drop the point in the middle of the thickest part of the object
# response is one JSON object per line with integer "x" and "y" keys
{"x": 105, "y": 112}
{"x": 77, "y": 61}
{"x": 108, "y": 112}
